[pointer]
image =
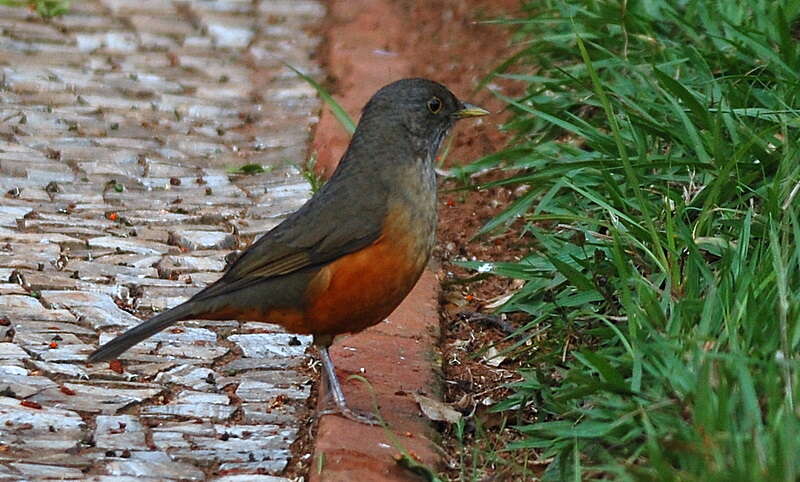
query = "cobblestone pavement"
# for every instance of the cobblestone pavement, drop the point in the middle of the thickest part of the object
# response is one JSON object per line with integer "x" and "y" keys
{"x": 119, "y": 123}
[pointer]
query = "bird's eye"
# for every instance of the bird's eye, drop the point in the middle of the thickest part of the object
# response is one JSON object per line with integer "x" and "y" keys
{"x": 435, "y": 105}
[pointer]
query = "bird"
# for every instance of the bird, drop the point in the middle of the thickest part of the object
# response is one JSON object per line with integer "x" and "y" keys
{"x": 347, "y": 258}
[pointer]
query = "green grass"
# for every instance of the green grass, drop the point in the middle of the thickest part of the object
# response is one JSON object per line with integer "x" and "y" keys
{"x": 45, "y": 8}
{"x": 338, "y": 111}
{"x": 308, "y": 169}
{"x": 659, "y": 142}
{"x": 309, "y": 172}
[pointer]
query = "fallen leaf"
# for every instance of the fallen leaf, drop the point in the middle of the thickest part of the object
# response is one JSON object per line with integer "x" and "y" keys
{"x": 493, "y": 358}
{"x": 499, "y": 301}
{"x": 436, "y": 410}
{"x": 116, "y": 366}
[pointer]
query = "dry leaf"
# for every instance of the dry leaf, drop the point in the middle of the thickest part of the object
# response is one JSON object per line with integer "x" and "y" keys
{"x": 436, "y": 410}
{"x": 492, "y": 358}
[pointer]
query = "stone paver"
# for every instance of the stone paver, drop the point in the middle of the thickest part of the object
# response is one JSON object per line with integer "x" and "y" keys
{"x": 120, "y": 124}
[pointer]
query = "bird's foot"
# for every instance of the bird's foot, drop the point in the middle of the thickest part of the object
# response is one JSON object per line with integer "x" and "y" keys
{"x": 354, "y": 415}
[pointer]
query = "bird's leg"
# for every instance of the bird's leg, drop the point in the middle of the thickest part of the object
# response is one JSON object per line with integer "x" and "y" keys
{"x": 335, "y": 391}
{"x": 331, "y": 380}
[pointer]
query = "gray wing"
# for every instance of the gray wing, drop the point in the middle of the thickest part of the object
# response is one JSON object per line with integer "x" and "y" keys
{"x": 333, "y": 223}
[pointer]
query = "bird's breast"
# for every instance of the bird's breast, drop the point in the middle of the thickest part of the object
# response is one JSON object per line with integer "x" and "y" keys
{"x": 362, "y": 288}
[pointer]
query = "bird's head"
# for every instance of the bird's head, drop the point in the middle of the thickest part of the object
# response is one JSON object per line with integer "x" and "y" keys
{"x": 419, "y": 109}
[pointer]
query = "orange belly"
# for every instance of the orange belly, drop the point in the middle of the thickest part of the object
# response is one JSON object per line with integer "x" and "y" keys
{"x": 355, "y": 291}
{"x": 362, "y": 288}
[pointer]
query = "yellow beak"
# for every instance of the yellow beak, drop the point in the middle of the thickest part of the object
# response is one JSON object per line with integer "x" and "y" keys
{"x": 470, "y": 110}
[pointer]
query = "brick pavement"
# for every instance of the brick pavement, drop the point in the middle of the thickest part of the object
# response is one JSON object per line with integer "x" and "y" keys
{"x": 118, "y": 124}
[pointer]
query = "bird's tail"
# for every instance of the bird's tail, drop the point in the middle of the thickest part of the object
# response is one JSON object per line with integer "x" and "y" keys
{"x": 118, "y": 345}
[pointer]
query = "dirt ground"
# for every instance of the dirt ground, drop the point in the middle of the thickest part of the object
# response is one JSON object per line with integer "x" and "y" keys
{"x": 447, "y": 41}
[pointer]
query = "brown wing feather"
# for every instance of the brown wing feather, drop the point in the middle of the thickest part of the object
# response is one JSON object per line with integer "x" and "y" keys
{"x": 333, "y": 223}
